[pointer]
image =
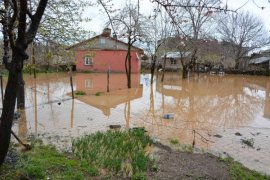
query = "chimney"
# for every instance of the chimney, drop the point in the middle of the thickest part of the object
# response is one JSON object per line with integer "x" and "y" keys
{"x": 106, "y": 32}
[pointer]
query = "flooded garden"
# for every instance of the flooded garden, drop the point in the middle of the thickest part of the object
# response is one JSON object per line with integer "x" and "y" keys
{"x": 226, "y": 115}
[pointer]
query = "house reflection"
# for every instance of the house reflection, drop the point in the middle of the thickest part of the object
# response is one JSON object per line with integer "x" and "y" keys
{"x": 267, "y": 102}
{"x": 95, "y": 84}
{"x": 92, "y": 83}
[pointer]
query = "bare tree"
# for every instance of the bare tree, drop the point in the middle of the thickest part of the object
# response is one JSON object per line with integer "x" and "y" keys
{"x": 19, "y": 26}
{"x": 191, "y": 20}
{"x": 156, "y": 30}
{"x": 244, "y": 31}
{"x": 128, "y": 22}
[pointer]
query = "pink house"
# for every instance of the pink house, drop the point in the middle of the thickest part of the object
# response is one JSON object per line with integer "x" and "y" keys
{"x": 99, "y": 53}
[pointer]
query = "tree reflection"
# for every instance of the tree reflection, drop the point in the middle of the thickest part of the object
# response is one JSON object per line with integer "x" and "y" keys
{"x": 207, "y": 104}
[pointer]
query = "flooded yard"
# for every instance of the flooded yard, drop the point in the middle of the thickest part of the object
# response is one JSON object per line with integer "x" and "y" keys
{"x": 226, "y": 115}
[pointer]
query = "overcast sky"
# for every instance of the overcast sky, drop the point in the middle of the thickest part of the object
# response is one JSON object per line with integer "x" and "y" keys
{"x": 99, "y": 18}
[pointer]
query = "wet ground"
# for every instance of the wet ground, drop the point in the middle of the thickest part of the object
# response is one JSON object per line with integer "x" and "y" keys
{"x": 219, "y": 114}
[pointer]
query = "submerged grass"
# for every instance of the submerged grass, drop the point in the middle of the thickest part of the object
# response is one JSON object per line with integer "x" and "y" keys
{"x": 120, "y": 153}
{"x": 248, "y": 142}
{"x": 238, "y": 171}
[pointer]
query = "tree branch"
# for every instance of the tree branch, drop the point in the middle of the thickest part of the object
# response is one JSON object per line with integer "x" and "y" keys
{"x": 31, "y": 33}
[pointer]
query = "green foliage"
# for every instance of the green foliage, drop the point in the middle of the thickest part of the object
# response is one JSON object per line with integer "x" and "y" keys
{"x": 138, "y": 176}
{"x": 174, "y": 141}
{"x": 44, "y": 162}
{"x": 187, "y": 148}
{"x": 28, "y": 68}
{"x": 238, "y": 171}
{"x": 98, "y": 93}
{"x": 49, "y": 56}
{"x": 80, "y": 93}
{"x": 87, "y": 71}
{"x": 145, "y": 57}
{"x": 121, "y": 153}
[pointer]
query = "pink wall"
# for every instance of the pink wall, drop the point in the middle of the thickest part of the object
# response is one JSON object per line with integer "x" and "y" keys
{"x": 103, "y": 58}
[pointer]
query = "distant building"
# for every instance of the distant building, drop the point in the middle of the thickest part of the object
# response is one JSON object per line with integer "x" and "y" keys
{"x": 210, "y": 52}
{"x": 260, "y": 61}
{"x": 100, "y": 52}
{"x": 173, "y": 59}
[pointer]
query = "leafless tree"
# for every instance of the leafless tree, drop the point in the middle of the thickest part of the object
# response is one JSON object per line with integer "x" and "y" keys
{"x": 156, "y": 30}
{"x": 128, "y": 22}
{"x": 244, "y": 31}
{"x": 191, "y": 20}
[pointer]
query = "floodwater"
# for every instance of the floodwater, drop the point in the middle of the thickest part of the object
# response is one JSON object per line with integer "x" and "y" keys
{"x": 210, "y": 110}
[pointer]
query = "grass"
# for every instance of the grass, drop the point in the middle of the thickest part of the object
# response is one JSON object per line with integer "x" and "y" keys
{"x": 98, "y": 93}
{"x": 238, "y": 171}
{"x": 80, "y": 93}
{"x": 120, "y": 153}
{"x": 45, "y": 162}
{"x": 174, "y": 141}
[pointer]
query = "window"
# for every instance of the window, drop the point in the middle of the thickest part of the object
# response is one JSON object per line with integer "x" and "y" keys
{"x": 173, "y": 61}
{"x": 88, "y": 61}
{"x": 88, "y": 84}
{"x": 102, "y": 41}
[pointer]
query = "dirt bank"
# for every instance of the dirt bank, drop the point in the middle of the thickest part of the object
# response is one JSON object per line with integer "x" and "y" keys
{"x": 184, "y": 165}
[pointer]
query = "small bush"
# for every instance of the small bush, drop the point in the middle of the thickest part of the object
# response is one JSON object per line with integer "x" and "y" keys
{"x": 87, "y": 72}
{"x": 80, "y": 93}
{"x": 174, "y": 141}
{"x": 98, "y": 93}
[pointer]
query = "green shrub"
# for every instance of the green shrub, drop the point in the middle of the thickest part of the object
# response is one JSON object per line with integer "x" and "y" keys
{"x": 87, "y": 71}
{"x": 80, "y": 93}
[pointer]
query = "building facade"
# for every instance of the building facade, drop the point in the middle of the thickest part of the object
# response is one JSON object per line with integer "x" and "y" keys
{"x": 104, "y": 52}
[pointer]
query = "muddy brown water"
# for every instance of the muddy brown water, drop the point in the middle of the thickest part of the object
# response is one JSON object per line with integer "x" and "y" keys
{"x": 217, "y": 108}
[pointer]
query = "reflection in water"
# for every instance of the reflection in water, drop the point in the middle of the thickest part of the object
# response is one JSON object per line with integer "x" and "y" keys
{"x": 97, "y": 83}
{"x": 267, "y": 102}
{"x": 127, "y": 113}
{"x": 22, "y": 126}
{"x": 72, "y": 114}
{"x": 210, "y": 105}
{"x": 35, "y": 103}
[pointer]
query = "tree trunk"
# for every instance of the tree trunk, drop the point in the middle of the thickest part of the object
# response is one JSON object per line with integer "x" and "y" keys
{"x": 129, "y": 70}
{"x": 153, "y": 66}
{"x": 20, "y": 92}
{"x": 128, "y": 66}
{"x": 9, "y": 104}
{"x": 236, "y": 65}
{"x": 163, "y": 72}
{"x": 185, "y": 72}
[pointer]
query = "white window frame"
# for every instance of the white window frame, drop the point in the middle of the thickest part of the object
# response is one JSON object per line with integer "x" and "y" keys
{"x": 102, "y": 41}
{"x": 88, "y": 61}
